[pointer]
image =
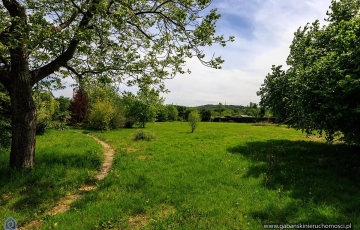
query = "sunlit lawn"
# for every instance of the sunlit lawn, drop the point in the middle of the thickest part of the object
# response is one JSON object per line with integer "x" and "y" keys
{"x": 223, "y": 176}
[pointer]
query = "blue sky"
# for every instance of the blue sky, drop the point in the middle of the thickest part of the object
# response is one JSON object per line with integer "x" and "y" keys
{"x": 263, "y": 31}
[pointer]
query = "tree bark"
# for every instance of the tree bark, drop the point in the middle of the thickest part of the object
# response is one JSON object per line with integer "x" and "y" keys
{"x": 23, "y": 124}
{"x": 23, "y": 110}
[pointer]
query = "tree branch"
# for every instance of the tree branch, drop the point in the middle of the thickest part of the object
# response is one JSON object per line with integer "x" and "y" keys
{"x": 80, "y": 75}
{"x": 161, "y": 5}
{"x": 77, "y": 7}
{"x": 163, "y": 15}
{"x": 66, "y": 24}
{"x": 14, "y": 7}
{"x": 63, "y": 58}
{"x": 138, "y": 27}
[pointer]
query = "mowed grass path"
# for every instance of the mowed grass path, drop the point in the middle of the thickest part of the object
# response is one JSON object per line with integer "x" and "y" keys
{"x": 223, "y": 176}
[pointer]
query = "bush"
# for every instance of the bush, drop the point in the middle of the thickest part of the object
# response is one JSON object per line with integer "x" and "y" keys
{"x": 59, "y": 126}
{"x": 101, "y": 115}
{"x": 142, "y": 135}
{"x": 194, "y": 119}
{"x": 205, "y": 115}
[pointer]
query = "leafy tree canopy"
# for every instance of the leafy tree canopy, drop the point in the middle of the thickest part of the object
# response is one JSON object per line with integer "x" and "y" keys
{"x": 123, "y": 41}
{"x": 321, "y": 88}
{"x": 110, "y": 40}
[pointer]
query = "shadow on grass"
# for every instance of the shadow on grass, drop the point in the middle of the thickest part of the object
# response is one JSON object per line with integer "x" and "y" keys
{"x": 315, "y": 176}
{"x": 26, "y": 190}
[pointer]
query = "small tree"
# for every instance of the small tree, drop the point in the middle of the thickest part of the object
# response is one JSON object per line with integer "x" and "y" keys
{"x": 79, "y": 106}
{"x": 101, "y": 115}
{"x": 194, "y": 119}
{"x": 62, "y": 110}
{"x": 172, "y": 112}
{"x": 147, "y": 105}
{"x": 220, "y": 108}
{"x": 119, "y": 41}
{"x": 205, "y": 115}
{"x": 162, "y": 114}
{"x": 118, "y": 118}
{"x": 181, "y": 112}
{"x": 144, "y": 106}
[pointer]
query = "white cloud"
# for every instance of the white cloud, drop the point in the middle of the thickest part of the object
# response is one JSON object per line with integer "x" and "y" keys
{"x": 263, "y": 30}
{"x": 249, "y": 58}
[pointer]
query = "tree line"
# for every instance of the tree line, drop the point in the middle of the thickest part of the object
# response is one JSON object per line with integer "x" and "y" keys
{"x": 102, "y": 107}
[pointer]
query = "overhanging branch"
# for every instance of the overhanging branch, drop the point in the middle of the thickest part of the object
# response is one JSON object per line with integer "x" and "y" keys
{"x": 66, "y": 24}
{"x": 63, "y": 58}
{"x": 138, "y": 27}
{"x": 14, "y": 7}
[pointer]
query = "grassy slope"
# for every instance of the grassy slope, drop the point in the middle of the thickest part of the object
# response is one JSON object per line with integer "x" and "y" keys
{"x": 215, "y": 178}
{"x": 64, "y": 160}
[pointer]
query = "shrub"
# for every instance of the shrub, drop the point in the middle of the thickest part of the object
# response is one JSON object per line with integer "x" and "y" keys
{"x": 194, "y": 119}
{"x": 205, "y": 115}
{"x": 59, "y": 126}
{"x": 142, "y": 135}
{"x": 79, "y": 107}
{"x": 101, "y": 115}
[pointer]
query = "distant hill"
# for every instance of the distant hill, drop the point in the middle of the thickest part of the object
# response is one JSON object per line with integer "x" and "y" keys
{"x": 212, "y": 107}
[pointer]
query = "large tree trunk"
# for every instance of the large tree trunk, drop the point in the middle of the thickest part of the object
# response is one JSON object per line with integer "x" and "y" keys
{"x": 19, "y": 83}
{"x": 23, "y": 123}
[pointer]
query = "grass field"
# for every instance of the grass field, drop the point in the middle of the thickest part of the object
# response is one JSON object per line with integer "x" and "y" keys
{"x": 223, "y": 176}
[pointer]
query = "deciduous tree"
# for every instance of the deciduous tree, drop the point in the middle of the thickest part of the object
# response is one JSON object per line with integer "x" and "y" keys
{"x": 79, "y": 106}
{"x": 144, "y": 106}
{"x": 172, "y": 112}
{"x": 194, "y": 119}
{"x": 321, "y": 89}
{"x": 108, "y": 40}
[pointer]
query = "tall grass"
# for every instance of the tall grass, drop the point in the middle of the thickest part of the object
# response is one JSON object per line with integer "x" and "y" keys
{"x": 215, "y": 179}
{"x": 223, "y": 176}
{"x": 64, "y": 161}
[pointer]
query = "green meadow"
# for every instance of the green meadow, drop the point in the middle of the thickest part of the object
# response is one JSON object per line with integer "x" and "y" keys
{"x": 222, "y": 176}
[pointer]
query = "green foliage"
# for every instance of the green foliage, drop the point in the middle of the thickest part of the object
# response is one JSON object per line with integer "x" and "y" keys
{"x": 205, "y": 115}
{"x": 220, "y": 108}
{"x": 118, "y": 118}
{"x": 62, "y": 110}
{"x": 45, "y": 103}
{"x": 110, "y": 41}
{"x": 104, "y": 41}
{"x": 101, "y": 115}
{"x": 321, "y": 89}
{"x": 46, "y": 107}
{"x": 143, "y": 135}
{"x": 162, "y": 114}
{"x": 172, "y": 112}
{"x": 106, "y": 107}
{"x": 5, "y": 119}
{"x": 167, "y": 113}
{"x": 41, "y": 126}
{"x": 143, "y": 107}
{"x": 194, "y": 119}
{"x": 181, "y": 112}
